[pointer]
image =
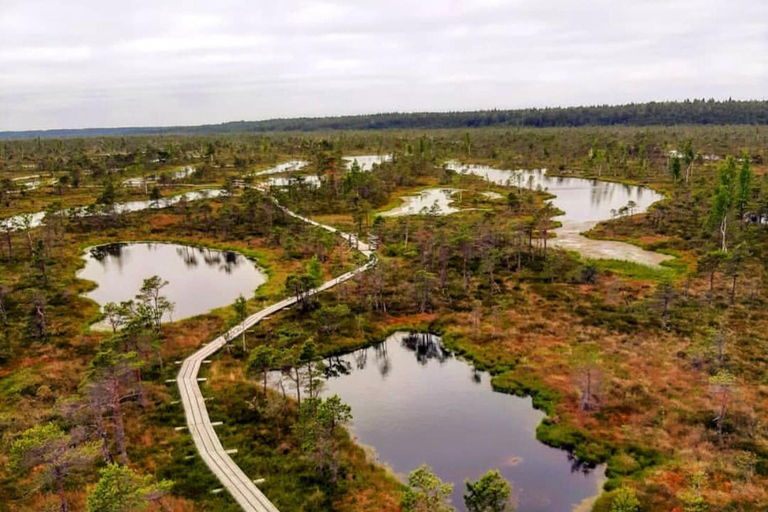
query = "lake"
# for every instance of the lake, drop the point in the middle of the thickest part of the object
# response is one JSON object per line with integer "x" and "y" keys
{"x": 415, "y": 403}
{"x": 585, "y": 203}
{"x": 200, "y": 279}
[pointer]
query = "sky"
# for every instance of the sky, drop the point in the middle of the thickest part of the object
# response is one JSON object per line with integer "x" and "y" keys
{"x": 106, "y": 63}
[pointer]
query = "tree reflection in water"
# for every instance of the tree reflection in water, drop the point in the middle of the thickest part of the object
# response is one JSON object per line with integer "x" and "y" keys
{"x": 225, "y": 261}
{"x": 187, "y": 254}
{"x": 382, "y": 358}
{"x": 427, "y": 346}
{"x": 119, "y": 269}
{"x": 335, "y": 366}
{"x": 415, "y": 401}
{"x": 578, "y": 466}
{"x": 361, "y": 358}
{"x": 424, "y": 346}
{"x": 100, "y": 252}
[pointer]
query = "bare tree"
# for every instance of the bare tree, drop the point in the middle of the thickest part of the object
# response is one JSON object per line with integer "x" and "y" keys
{"x": 589, "y": 377}
{"x": 722, "y": 385}
{"x": 665, "y": 293}
{"x": 3, "y": 311}
{"x": 52, "y": 454}
{"x": 88, "y": 411}
{"x": 110, "y": 372}
{"x": 7, "y": 230}
{"x": 38, "y": 316}
{"x": 719, "y": 341}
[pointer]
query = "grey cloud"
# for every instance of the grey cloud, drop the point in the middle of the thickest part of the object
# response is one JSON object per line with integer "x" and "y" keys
{"x": 143, "y": 62}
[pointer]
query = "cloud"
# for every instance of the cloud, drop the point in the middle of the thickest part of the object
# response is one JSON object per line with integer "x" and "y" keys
{"x": 142, "y": 62}
{"x": 44, "y": 55}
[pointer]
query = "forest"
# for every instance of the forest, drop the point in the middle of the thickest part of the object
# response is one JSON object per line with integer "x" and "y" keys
{"x": 653, "y": 374}
{"x": 662, "y": 113}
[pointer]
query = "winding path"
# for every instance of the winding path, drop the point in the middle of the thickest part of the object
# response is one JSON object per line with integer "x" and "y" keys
{"x": 240, "y": 486}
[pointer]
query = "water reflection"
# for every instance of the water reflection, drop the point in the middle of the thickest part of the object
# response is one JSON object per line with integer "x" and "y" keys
{"x": 433, "y": 201}
{"x": 200, "y": 279}
{"x": 310, "y": 181}
{"x": 382, "y": 359}
{"x": 425, "y": 346}
{"x": 581, "y": 199}
{"x": 416, "y": 403}
{"x": 103, "y": 251}
{"x": 336, "y": 367}
{"x": 584, "y": 203}
{"x": 37, "y": 219}
{"x": 290, "y": 166}
{"x": 365, "y": 162}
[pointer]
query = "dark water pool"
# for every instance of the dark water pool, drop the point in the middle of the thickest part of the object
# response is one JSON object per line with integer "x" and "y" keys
{"x": 415, "y": 403}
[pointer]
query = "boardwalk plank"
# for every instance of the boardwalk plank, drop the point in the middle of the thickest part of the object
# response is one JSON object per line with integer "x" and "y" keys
{"x": 235, "y": 481}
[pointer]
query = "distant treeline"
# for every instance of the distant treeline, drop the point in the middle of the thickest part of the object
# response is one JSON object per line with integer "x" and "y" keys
{"x": 692, "y": 112}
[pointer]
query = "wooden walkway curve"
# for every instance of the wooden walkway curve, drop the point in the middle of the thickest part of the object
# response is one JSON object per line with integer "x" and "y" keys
{"x": 241, "y": 486}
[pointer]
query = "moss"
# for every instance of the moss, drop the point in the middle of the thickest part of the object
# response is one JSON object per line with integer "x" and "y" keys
{"x": 638, "y": 271}
{"x": 544, "y": 398}
{"x": 21, "y": 382}
{"x": 604, "y": 502}
{"x": 568, "y": 438}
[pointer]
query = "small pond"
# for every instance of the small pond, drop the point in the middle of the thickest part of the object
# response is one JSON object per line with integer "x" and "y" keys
{"x": 36, "y": 219}
{"x": 146, "y": 181}
{"x": 309, "y": 180}
{"x": 435, "y": 201}
{"x": 415, "y": 403}
{"x": 366, "y": 162}
{"x": 184, "y": 172}
{"x": 585, "y": 202}
{"x": 581, "y": 199}
{"x": 290, "y": 166}
{"x": 199, "y": 279}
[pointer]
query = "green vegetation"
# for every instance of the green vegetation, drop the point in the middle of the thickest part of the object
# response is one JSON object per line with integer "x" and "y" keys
{"x": 425, "y": 492}
{"x": 491, "y": 493}
{"x": 700, "y": 111}
{"x": 119, "y": 489}
{"x": 657, "y": 372}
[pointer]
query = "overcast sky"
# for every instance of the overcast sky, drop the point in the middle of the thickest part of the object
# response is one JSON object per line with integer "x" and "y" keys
{"x": 89, "y": 63}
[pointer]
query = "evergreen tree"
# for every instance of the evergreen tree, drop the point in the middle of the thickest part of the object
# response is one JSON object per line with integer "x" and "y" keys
{"x": 425, "y": 492}
{"x": 491, "y": 493}
{"x": 723, "y": 199}
{"x": 120, "y": 489}
{"x": 744, "y": 189}
{"x": 624, "y": 500}
{"x": 52, "y": 455}
{"x": 675, "y": 168}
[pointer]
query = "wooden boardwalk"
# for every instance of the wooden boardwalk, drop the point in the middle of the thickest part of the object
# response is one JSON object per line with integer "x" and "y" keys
{"x": 240, "y": 486}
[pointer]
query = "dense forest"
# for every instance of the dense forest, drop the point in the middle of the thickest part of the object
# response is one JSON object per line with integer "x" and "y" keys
{"x": 667, "y": 113}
